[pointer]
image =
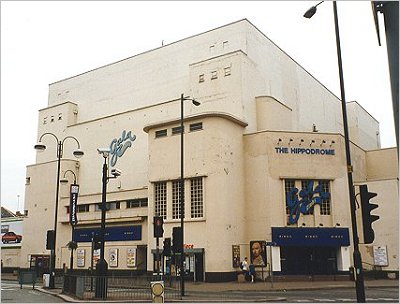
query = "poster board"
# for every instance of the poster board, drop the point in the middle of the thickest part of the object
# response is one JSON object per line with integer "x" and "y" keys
{"x": 113, "y": 257}
{"x": 80, "y": 256}
{"x": 131, "y": 257}
{"x": 380, "y": 256}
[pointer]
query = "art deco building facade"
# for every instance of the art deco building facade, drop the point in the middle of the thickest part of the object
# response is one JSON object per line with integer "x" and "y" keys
{"x": 265, "y": 127}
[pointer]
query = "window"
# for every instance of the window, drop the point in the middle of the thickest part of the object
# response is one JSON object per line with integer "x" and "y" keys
{"x": 201, "y": 78}
{"x": 27, "y": 181}
{"x": 161, "y": 133}
{"x": 45, "y": 120}
{"x": 137, "y": 202}
{"x": 227, "y": 71}
{"x": 82, "y": 208}
{"x": 109, "y": 206}
{"x": 67, "y": 207}
{"x": 177, "y": 130}
{"x": 176, "y": 194}
{"x": 326, "y": 200}
{"x": 306, "y": 192}
{"x": 196, "y": 195}
{"x": 160, "y": 199}
{"x": 289, "y": 185}
{"x": 59, "y": 116}
{"x": 214, "y": 75}
{"x": 52, "y": 118}
{"x": 225, "y": 44}
{"x": 196, "y": 126}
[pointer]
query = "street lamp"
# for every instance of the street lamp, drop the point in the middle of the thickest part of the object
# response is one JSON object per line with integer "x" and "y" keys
{"x": 102, "y": 266}
{"x": 359, "y": 277}
{"x": 72, "y": 212}
{"x": 181, "y": 195}
{"x": 77, "y": 153}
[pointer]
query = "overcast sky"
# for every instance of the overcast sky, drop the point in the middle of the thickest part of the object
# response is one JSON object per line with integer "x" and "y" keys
{"x": 46, "y": 41}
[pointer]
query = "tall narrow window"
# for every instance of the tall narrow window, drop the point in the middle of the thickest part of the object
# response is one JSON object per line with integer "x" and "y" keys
{"x": 306, "y": 188}
{"x": 326, "y": 201}
{"x": 289, "y": 185}
{"x": 196, "y": 194}
{"x": 160, "y": 199}
{"x": 176, "y": 194}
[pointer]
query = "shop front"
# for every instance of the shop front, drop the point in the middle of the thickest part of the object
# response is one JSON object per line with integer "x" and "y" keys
{"x": 312, "y": 251}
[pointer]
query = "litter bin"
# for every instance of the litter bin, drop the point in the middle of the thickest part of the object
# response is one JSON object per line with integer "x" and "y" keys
{"x": 46, "y": 280}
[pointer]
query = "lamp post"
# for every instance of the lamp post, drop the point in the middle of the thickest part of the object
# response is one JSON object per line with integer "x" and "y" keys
{"x": 182, "y": 194}
{"x": 77, "y": 153}
{"x": 359, "y": 277}
{"x": 73, "y": 194}
{"x": 102, "y": 266}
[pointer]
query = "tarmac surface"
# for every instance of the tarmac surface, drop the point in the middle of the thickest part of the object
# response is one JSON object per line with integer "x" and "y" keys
{"x": 201, "y": 292}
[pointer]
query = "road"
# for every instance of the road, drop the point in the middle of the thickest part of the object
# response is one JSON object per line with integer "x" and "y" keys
{"x": 11, "y": 293}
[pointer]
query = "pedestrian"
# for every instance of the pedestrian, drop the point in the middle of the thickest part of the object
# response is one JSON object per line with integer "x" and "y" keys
{"x": 252, "y": 272}
{"x": 244, "y": 265}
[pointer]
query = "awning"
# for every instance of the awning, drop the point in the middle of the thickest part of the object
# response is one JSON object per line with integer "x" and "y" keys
{"x": 332, "y": 237}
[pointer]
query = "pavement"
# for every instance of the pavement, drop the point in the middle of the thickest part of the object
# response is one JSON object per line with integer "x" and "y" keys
{"x": 261, "y": 291}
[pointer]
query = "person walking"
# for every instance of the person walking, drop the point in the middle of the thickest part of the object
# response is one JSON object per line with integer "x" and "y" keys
{"x": 245, "y": 266}
{"x": 252, "y": 272}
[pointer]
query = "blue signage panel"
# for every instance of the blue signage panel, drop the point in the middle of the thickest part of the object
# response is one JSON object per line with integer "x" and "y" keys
{"x": 124, "y": 233}
{"x": 332, "y": 237}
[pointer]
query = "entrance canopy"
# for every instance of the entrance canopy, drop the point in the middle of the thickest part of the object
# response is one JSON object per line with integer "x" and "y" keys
{"x": 332, "y": 237}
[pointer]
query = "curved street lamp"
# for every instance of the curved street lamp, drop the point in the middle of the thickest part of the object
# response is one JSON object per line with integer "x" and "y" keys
{"x": 73, "y": 192}
{"x": 182, "y": 194}
{"x": 77, "y": 153}
{"x": 359, "y": 281}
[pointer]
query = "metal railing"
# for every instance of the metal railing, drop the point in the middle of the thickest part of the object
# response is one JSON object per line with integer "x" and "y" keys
{"x": 90, "y": 287}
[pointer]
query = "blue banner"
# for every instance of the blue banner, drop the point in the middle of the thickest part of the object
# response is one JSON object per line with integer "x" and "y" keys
{"x": 73, "y": 219}
{"x": 328, "y": 237}
{"x": 122, "y": 233}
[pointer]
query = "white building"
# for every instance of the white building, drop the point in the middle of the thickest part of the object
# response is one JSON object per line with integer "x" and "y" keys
{"x": 264, "y": 127}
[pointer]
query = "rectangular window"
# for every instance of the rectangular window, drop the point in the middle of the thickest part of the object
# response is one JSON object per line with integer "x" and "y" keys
{"x": 196, "y": 197}
{"x": 161, "y": 133}
{"x": 109, "y": 206}
{"x": 326, "y": 201}
{"x": 67, "y": 207}
{"x": 82, "y": 208}
{"x": 160, "y": 199}
{"x": 214, "y": 75}
{"x": 176, "y": 194}
{"x": 304, "y": 187}
{"x": 60, "y": 116}
{"x": 177, "y": 130}
{"x": 27, "y": 181}
{"x": 137, "y": 203}
{"x": 225, "y": 44}
{"x": 227, "y": 71}
{"x": 201, "y": 78}
{"x": 196, "y": 126}
{"x": 289, "y": 185}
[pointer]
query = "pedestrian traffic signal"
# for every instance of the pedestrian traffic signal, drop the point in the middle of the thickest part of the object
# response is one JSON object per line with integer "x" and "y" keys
{"x": 177, "y": 239}
{"x": 96, "y": 242}
{"x": 167, "y": 247}
{"x": 50, "y": 241}
{"x": 158, "y": 222}
{"x": 367, "y": 217}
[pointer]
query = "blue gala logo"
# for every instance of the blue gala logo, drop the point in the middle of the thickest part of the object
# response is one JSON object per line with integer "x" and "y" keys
{"x": 119, "y": 146}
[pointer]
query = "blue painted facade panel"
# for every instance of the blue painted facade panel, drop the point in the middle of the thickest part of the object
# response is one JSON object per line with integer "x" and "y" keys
{"x": 318, "y": 237}
{"x": 123, "y": 233}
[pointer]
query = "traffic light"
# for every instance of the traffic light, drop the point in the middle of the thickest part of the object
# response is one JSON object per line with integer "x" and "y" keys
{"x": 177, "y": 239}
{"x": 167, "y": 247}
{"x": 158, "y": 222}
{"x": 50, "y": 240}
{"x": 96, "y": 242}
{"x": 367, "y": 217}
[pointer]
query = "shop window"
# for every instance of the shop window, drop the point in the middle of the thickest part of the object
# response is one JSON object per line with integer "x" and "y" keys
{"x": 196, "y": 126}
{"x": 176, "y": 194}
{"x": 196, "y": 197}
{"x": 137, "y": 203}
{"x": 177, "y": 130}
{"x": 161, "y": 133}
{"x": 160, "y": 199}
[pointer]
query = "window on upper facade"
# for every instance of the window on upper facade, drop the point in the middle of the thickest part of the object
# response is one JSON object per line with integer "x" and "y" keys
{"x": 137, "y": 203}
{"x": 27, "y": 181}
{"x": 214, "y": 75}
{"x": 160, "y": 199}
{"x": 177, "y": 130}
{"x": 196, "y": 126}
{"x": 161, "y": 133}
{"x": 52, "y": 118}
{"x": 59, "y": 116}
{"x": 176, "y": 194}
{"x": 225, "y": 44}
{"x": 196, "y": 197}
{"x": 201, "y": 78}
{"x": 227, "y": 71}
{"x": 109, "y": 206}
{"x": 82, "y": 208}
{"x": 45, "y": 120}
{"x": 301, "y": 196}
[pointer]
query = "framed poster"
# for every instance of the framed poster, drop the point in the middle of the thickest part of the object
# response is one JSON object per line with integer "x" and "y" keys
{"x": 96, "y": 257}
{"x": 80, "y": 257}
{"x": 113, "y": 257}
{"x": 235, "y": 256}
{"x": 380, "y": 256}
{"x": 131, "y": 257}
{"x": 258, "y": 254}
